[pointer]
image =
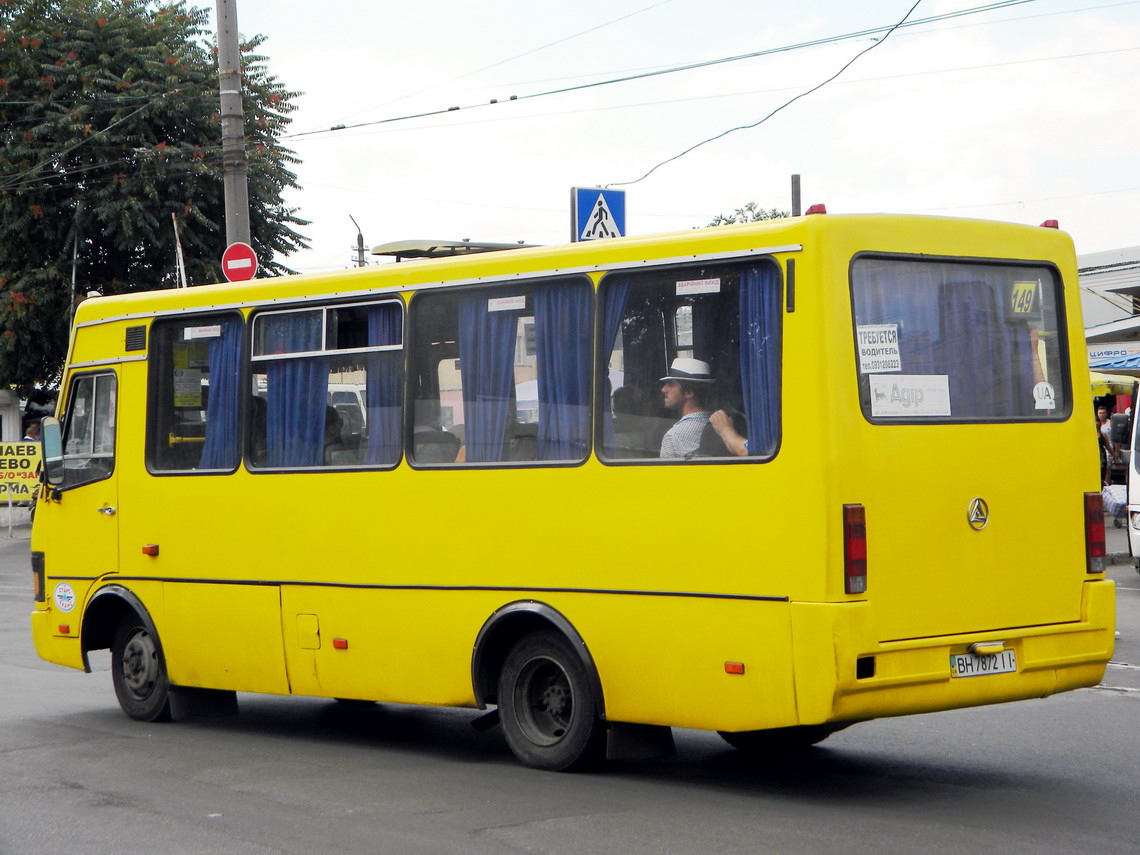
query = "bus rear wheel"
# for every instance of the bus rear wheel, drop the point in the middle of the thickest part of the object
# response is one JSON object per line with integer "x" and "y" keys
{"x": 548, "y": 706}
{"x": 779, "y": 740}
{"x": 139, "y": 672}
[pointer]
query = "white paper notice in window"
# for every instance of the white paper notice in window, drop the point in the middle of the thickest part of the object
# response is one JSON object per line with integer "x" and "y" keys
{"x": 507, "y": 304}
{"x": 193, "y": 333}
{"x": 878, "y": 348}
{"x": 910, "y": 395}
{"x": 698, "y": 286}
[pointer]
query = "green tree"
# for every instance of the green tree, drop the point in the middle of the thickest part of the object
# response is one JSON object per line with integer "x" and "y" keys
{"x": 109, "y": 125}
{"x": 750, "y": 213}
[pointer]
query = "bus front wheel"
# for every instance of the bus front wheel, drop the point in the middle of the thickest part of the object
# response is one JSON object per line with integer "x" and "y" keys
{"x": 139, "y": 672}
{"x": 547, "y": 705}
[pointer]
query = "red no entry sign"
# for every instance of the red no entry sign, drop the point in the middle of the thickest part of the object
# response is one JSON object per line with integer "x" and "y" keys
{"x": 239, "y": 262}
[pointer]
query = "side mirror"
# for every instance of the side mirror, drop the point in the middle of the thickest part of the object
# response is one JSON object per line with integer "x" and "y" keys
{"x": 52, "y": 438}
{"x": 1119, "y": 429}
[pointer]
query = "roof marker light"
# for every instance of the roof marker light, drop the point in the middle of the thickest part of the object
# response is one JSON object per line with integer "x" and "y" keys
{"x": 1050, "y": 224}
{"x": 817, "y": 208}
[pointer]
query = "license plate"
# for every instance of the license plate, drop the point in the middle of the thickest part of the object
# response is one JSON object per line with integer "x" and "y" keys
{"x": 969, "y": 665}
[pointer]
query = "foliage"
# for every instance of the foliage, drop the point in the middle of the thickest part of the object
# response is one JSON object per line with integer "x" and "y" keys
{"x": 109, "y": 125}
{"x": 750, "y": 213}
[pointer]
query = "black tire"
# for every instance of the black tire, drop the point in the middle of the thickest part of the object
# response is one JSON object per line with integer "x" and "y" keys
{"x": 139, "y": 672}
{"x": 779, "y": 740}
{"x": 548, "y": 706}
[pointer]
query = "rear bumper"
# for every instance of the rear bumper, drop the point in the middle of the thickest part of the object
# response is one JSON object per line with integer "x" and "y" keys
{"x": 913, "y": 676}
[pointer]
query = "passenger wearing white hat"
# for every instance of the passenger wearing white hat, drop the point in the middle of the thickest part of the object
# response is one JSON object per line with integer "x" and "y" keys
{"x": 686, "y": 388}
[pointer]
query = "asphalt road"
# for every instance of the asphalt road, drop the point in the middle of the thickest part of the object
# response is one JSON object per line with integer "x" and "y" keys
{"x": 302, "y": 776}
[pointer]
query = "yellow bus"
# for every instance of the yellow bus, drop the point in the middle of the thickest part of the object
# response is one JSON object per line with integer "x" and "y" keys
{"x": 768, "y": 480}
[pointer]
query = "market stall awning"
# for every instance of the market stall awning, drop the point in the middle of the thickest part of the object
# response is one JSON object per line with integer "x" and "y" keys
{"x": 1111, "y": 384}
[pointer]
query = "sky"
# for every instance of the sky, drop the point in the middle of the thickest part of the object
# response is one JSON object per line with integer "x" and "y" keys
{"x": 1021, "y": 114}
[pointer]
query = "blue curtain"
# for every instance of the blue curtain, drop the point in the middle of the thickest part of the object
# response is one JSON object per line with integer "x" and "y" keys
{"x": 562, "y": 347}
{"x": 486, "y": 367}
{"x": 385, "y": 387}
{"x": 615, "y": 294}
{"x": 297, "y": 391}
{"x": 760, "y": 356}
{"x": 221, "y": 448}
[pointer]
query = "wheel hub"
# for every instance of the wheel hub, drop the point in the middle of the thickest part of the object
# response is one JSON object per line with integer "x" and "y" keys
{"x": 556, "y": 700}
{"x": 140, "y": 665}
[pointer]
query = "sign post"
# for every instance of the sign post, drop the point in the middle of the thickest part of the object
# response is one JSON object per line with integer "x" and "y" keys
{"x": 596, "y": 213}
{"x": 239, "y": 262}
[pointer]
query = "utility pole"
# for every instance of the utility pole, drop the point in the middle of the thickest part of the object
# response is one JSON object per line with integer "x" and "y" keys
{"x": 234, "y": 165}
{"x": 360, "y": 259}
{"x": 795, "y": 195}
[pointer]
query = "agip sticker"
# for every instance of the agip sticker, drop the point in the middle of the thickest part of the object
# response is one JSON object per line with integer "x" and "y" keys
{"x": 910, "y": 395}
{"x": 64, "y": 597}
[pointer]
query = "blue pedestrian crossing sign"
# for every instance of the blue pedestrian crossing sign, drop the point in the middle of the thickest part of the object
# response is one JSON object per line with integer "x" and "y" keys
{"x": 596, "y": 213}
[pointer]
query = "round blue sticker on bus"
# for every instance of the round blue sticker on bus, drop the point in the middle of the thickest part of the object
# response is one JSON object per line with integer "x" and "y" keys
{"x": 64, "y": 597}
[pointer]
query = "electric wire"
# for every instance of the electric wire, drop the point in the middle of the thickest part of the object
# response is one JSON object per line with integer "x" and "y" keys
{"x": 787, "y": 103}
{"x": 888, "y": 28}
{"x": 509, "y": 59}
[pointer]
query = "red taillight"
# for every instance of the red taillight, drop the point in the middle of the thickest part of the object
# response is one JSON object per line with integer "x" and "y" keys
{"x": 1095, "y": 549}
{"x": 854, "y": 549}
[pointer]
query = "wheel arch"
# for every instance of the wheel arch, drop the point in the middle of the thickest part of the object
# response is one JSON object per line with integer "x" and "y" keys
{"x": 105, "y": 611}
{"x": 503, "y": 629}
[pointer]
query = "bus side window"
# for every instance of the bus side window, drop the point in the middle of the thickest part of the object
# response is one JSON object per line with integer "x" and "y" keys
{"x": 328, "y": 387}
{"x": 725, "y": 316}
{"x": 195, "y": 403}
{"x": 504, "y": 371}
{"x": 89, "y": 430}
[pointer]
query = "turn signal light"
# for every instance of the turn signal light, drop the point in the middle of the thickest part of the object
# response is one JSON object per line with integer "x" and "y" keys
{"x": 150, "y": 549}
{"x": 734, "y": 667}
{"x": 340, "y": 644}
{"x": 855, "y": 549}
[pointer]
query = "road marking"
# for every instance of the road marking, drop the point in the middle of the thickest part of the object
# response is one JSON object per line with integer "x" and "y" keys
{"x": 1120, "y": 689}
{"x": 1124, "y": 665}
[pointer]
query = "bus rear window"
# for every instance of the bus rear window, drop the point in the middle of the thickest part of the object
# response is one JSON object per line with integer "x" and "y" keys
{"x": 951, "y": 341}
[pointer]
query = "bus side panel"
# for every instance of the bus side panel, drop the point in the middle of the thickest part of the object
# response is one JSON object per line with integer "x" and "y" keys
{"x": 396, "y": 646}
{"x": 661, "y": 662}
{"x": 219, "y": 636}
{"x": 415, "y": 647}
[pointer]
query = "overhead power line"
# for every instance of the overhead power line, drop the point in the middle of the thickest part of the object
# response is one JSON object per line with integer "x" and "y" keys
{"x": 787, "y": 103}
{"x": 871, "y": 32}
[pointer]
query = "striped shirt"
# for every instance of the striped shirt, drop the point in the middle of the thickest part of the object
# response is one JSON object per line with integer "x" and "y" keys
{"x": 684, "y": 438}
